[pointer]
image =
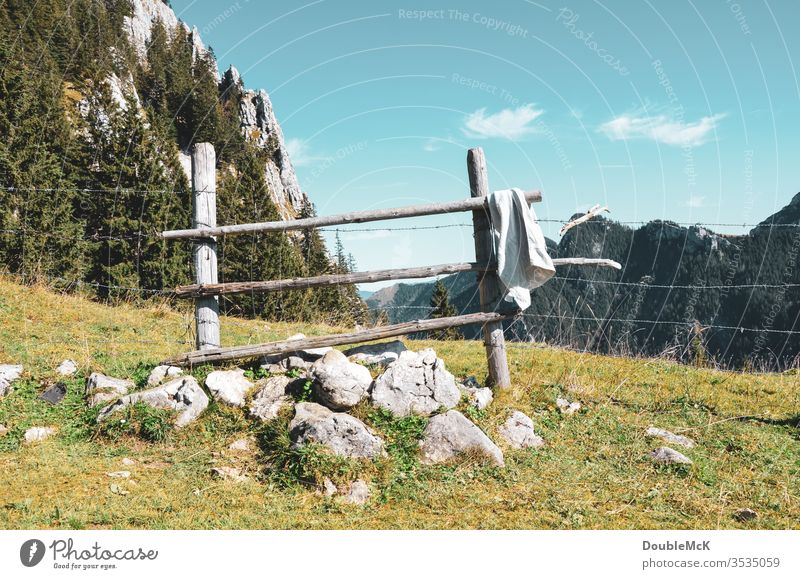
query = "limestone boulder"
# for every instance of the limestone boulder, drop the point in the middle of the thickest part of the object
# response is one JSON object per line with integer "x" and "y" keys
{"x": 160, "y": 374}
{"x": 341, "y": 433}
{"x": 338, "y": 383}
{"x": 451, "y": 434}
{"x": 270, "y": 397}
{"x": 101, "y": 388}
{"x": 518, "y": 432}
{"x": 229, "y": 386}
{"x": 417, "y": 383}
{"x": 182, "y": 395}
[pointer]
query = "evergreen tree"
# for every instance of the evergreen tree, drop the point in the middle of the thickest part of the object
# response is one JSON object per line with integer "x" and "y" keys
{"x": 40, "y": 236}
{"x": 442, "y": 308}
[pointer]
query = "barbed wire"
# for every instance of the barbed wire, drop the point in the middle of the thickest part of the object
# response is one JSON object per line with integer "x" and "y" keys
{"x": 93, "y": 237}
{"x": 645, "y": 285}
{"x": 78, "y": 282}
{"x": 115, "y": 190}
{"x": 665, "y": 322}
{"x": 558, "y": 221}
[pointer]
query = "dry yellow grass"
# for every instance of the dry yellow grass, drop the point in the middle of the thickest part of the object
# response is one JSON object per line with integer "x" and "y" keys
{"x": 592, "y": 473}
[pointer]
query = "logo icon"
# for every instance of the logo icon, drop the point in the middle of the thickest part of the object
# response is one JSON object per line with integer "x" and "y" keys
{"x": 31, "y": 553}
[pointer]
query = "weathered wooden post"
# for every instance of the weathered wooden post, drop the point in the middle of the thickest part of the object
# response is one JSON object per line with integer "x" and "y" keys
{"x": 204, "y": 200}
{"x": 489, "y": 284}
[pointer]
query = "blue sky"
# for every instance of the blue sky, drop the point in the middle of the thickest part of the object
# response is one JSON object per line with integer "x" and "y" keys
{"x": 680, "y": 109}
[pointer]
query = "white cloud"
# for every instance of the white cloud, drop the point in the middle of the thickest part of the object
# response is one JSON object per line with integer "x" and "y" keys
{"x": 300, "y": 153}
{"x": 431, "y": 145}
{"x": 506, "y": 124}
{"x": 696, "y": 201}
{"x": 660, "y": 128}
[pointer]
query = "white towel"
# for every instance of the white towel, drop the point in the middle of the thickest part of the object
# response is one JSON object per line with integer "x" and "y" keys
{"x": 520, "y": 248}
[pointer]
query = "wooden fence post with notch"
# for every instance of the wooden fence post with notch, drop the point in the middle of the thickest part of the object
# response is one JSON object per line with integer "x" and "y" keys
{"x": 204, "y": 206}
{"x": 489, "y": 284}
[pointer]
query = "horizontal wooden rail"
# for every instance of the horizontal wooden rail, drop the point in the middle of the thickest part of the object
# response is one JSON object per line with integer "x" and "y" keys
{"x": 218, "y": 289}
{"x": 473, "y": 204}
{"x": 288, "y": 346}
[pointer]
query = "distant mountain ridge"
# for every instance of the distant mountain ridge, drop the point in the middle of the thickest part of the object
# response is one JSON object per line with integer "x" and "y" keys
{"x": 680, "y": 291}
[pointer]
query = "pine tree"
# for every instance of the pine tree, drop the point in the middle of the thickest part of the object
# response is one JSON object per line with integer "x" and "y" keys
{"x": 442, "y": 308}
{"x": 341, "y": 255}
{"x": 41, "y": 237}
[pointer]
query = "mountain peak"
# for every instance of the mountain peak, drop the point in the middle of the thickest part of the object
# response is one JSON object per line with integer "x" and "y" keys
{"x": 788, "y": 215}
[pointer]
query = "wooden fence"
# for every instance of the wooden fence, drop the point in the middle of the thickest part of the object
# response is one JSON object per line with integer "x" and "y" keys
{"x": 206, "y": 290}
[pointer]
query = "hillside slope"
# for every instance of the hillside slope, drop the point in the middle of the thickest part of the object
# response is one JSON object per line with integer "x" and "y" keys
{"x": 592, "y": 473}
{"x": 672, "y": 278}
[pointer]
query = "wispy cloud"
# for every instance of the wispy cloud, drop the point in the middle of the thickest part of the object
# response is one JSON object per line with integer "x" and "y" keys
{"x": 505, "y": 124}
{"x": 696, "y": 201}
{"x": 661, "y": 128}
{"x": 300, "y": 153}
{"x": 431, "y": 145}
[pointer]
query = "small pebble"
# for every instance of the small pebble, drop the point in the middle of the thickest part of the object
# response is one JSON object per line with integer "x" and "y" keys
{"x": 39, "y": 433}
{"x": 357, "y": 494}
{"x": 118, "y": 490}
{"x": 666, "y": 455}
{"x": 67, "y": 368}
{"x": 668, "y": 436}
{"x": 119, "y": 474}
{"x": 745, "y": 515}
{"x": 128, "y": 461}
{"x": 566, "y": 406}
{"x": 229, "y": 473}
{"x": 240, "y": 445}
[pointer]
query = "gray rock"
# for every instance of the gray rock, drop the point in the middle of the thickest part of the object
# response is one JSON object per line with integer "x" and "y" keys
{"x": 338, "y": 383}
{"x": 357, "y": 494}
{"x": 417, "y": 383}
{"x": 182, "y": 395}
{"x": 3, "y": 430}
{"x": 381, "y": 354}
{"x": 229, "y": 386}
{"x": 39, "y": 433}
{"x": 328, "y": 488}
{"x": 229, "y": 473}
{"x": 270, "y": 398}
{"x": 128, "y": 461}
{"x": 8, "y": 374}
{"x": 343, "y": 434}
{"x": 119, "y": 474}
{"x": 54, "y": 394}
{"x": 241, "y": 445}
{"x": 101, "y": 388}
{"x": 259, "y": 125}
{"x": 67, "y": 368}
{"x": 567, "y": 407}
{"x": 518, "y": 432}
{"x": 745, "y": 515}
{"x": 478, "y": 396}
{"x": 666, "y": 455}
{"x": 287, "y": 365}
{"x": 668, "y": 436}
{"x": 162, "y": 373}
{"x": 451, "y": 434}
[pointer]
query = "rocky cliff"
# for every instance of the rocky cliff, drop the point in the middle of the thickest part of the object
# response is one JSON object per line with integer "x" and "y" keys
{"x": 256, "y": 115}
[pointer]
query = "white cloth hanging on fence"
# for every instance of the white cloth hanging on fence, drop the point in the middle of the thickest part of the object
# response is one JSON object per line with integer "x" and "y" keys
{"x": 519, "y": 246}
